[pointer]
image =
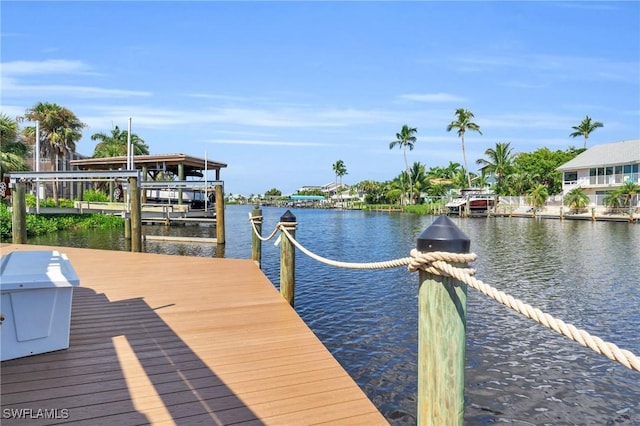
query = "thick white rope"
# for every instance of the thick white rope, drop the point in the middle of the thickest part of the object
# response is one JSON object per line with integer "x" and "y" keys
{"x": 350, "y": 265}
{"x": 253, "y": 220}
{"x": 423, "y": 261}
{"x": 439, "y": 263}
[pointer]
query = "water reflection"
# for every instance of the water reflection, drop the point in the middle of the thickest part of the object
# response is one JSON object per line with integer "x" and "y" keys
{"x": 585, "y": 273}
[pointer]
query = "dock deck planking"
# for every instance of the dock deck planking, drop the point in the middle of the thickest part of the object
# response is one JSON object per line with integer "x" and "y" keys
{"x": 160, "y": 339}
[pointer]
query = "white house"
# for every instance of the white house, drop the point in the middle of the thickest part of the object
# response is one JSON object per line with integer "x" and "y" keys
{"x": 602, "y": 168}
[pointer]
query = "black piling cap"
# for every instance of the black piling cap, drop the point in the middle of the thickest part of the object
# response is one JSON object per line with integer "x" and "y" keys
{"x": 443, "y": 235}
{"x": 287, "y": 217}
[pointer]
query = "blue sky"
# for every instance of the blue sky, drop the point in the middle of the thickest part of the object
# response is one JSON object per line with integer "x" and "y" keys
{"x": 282, "y": 90}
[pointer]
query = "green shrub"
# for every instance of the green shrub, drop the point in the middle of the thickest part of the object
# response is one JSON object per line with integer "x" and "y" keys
{"x": 30, "y": 199}
{"x": 95, "y": 196}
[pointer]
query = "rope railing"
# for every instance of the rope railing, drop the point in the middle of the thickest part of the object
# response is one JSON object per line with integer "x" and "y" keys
{"x": 439, "y": 263}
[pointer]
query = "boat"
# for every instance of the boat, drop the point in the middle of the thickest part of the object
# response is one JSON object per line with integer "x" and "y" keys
{"x": 479, "y": 200}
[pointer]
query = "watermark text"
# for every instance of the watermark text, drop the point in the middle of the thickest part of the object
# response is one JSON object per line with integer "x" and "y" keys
{"x": 35, "y": 413}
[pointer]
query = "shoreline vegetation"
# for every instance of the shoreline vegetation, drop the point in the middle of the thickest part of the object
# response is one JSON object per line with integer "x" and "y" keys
{"x": 40, "y": 224}
{"x": 47, "y": 223}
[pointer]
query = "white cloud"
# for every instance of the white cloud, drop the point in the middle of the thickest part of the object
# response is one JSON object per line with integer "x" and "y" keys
{"x": 432, "y": 97}
{"x": 265, "y": 143}
{"x": 11, "y": 88}
{"x": 51, "y": 66}
{"x": 558, "y": 67}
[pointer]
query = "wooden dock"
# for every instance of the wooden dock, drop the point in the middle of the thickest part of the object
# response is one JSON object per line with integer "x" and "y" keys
{"x": 159, "y": 339}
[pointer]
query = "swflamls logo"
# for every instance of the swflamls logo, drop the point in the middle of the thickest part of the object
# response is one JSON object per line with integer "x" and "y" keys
{"x": 35, "y": 413}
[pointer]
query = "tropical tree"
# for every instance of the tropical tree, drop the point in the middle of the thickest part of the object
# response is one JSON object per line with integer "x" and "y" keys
{"x": 60, "y": 129}
{"x": 419, "y": 179}
{"x": 340, "y": 170}
{"x": 437, "y": 190}
{"x": 461, "y": 179}
{"x": 519, "y": 183}
{"x": 541, "y": 167}
{"x": 499, "y": 161}
{"x": 585, "y": 128}
{"x": 400, "y": 185}
{"x": 406, "y": 139}
{"x": 627, "y": 191}
{"x": 273, "y": 192}
{"x": 612, "y": 200}
{"x": 462, "y": 124}
{"x": 13, "y": 151}
{"x": 576, "y": 199}
{"x": 538, "y": 196}
{"x": 115, "y": 144}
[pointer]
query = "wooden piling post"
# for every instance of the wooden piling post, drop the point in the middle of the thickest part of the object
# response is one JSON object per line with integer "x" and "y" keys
{"x": 256, "y": 242}
{"x": 127, "y": 228}
{"x": 561, "y": 213}
{"x": 288, "y": 259}
{"x": 593, "y": 214}
{"x": 219, "y": 214}
{"x": 441, "y": 331}
{"x": 136, "y": 215}
{"x": 19, "y": 214}
{"x": 180, "y": 177}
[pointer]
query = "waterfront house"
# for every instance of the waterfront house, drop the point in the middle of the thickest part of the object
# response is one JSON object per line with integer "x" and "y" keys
{"x": 603, "y": 168}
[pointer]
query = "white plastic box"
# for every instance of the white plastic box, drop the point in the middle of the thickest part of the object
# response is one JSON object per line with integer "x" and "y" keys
{"x": 36, "y": 289}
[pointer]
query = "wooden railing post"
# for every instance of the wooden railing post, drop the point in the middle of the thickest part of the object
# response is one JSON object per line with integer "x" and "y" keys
{"x": 19, "y": 214}
{"x": 127, "y": 227}
{"x": 136, "y": 215}
{"x": 256, "y": 242}
{"x": 288, "y": 259}
{"x": 220, "y": 237}
{"x": 441, "y": 331}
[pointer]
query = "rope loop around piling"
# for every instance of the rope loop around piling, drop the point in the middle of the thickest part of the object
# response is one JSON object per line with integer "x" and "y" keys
{"x": 438, "y": 263}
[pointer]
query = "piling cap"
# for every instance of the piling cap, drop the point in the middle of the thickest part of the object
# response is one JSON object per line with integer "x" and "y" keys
{"x": 287, "y": 217}
{"x": 443, "y": 235}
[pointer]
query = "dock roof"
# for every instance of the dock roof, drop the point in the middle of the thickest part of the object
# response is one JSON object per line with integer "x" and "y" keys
{"x": 193, "y": 166}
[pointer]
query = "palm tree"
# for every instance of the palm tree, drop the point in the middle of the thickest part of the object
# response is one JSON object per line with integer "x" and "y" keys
{"x": 60, "y": 129}
{"x": 627, "y": 191}
{"x": 406, "y": 139}
{"x": 398, "y": 185}
{"x": 538, "y": 196}
{"x": 585, "y": 128}
{"x": 420, "y": 180}
{"x": 13, "y": 151}
{"x": 461, "y": 179}
{"x": 576, "y": 199}
{"x": 340, "y": 170}
{"x": 612, "y": 200}
{"x": 499, "y": 162}
{"x": 115, "y": 144}
{"x": 464, "y": 123}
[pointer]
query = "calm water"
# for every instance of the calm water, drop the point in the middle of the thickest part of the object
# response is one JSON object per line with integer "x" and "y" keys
{"x": 584, "y": 273}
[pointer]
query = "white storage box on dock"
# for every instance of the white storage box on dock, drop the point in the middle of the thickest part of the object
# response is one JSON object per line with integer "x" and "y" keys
{"x": 36, "y": 289}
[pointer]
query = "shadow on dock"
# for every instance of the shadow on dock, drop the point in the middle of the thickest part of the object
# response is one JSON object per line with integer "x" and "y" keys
{"x": 124, "y": 366}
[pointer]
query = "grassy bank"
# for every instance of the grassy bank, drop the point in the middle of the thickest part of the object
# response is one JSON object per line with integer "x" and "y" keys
{"x": 421, "y": 209}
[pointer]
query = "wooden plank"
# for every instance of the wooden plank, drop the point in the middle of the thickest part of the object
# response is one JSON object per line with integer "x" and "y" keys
{"x": 173, "y": 340}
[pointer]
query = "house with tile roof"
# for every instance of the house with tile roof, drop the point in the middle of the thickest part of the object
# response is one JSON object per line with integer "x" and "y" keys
{"x": 602, "y": 168}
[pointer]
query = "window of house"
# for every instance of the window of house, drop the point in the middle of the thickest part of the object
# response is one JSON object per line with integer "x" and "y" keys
{"x": 570, "y": 177}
